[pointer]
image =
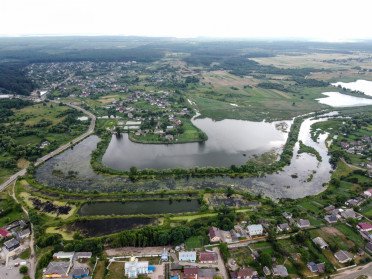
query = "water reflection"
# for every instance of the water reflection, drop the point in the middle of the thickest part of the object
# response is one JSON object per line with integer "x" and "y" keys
{"x": 335, "y": 99}
{"x": 54, "y": 173}
{"x": 229, "y": 142}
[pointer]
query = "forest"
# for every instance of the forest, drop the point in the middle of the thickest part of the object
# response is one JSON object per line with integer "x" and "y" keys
{"x": 13, "y": 79}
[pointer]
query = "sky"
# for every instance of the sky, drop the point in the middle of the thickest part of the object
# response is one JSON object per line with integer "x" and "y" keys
{"x": 322, "y": 20}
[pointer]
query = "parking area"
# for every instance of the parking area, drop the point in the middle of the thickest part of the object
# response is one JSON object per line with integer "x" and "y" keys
{"x": 159, "y": 271}
{"x": 11, "y": 271}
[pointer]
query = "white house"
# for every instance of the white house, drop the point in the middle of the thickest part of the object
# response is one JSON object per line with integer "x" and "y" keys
{"x": 255, "y": 230}
{"x": 368, "y": 193}
{"x": 133, "y": 268}
{"x": 187, "y": 256}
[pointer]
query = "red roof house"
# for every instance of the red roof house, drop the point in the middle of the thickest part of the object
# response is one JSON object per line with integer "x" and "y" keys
{"x": 4, "y": 233}
{"x": 364, "y": 227}
{"x": 214, "y": 234}
{"x": 208, "y": 257}
{"x": 190, "y": 272}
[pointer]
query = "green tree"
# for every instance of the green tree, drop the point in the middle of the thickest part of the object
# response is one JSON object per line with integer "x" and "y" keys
{"x": 23, "y": 269}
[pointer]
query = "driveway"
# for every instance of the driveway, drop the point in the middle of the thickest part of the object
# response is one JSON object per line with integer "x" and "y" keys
{"x": 221, "y": 264}
{"x": 355, "y": 272}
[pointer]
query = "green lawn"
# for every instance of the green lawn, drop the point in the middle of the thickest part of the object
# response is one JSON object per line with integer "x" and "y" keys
{"x": 350, "y": 233}
{"x": 195, "y": 242}
{"x": 12, "y": 211}
{"x": 366, "y": 209}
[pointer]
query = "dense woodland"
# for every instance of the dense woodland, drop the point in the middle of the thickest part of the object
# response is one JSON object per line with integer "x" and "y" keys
{"x": 13, "y": 79}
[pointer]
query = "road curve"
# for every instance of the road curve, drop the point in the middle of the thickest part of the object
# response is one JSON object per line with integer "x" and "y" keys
{"x": 60, "y": 149}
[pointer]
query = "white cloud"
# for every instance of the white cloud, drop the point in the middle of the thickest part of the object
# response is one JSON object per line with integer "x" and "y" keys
{"x": 329, "y": 20}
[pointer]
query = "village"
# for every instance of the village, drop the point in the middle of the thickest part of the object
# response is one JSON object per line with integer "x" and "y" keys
{"x": 360, "y": 147}
{"x": 236, "y": 253}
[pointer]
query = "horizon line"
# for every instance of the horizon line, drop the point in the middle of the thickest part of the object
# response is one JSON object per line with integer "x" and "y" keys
{"x": 299, "y": 39}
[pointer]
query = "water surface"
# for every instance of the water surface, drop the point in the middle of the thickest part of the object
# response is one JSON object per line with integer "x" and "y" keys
{"x": 54, "y": 173}
{"x": 364, "y": 86}
{"x": 336, "y": 99}
{"x": 229, "y": 142}
{"x": 138, "y": 207}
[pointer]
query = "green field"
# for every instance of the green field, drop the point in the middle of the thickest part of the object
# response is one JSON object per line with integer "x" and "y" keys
{"x": 33, "y": 124}
{"x": 255, "y": 103}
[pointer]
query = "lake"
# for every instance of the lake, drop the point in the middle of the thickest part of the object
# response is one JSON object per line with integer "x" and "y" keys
{"x": 138, "y": 207}
{"x": 364, "y": 86}
{"x": 229, "y": 142}
{"x": 336, "y": 99}
{"x": 277, "y": 185}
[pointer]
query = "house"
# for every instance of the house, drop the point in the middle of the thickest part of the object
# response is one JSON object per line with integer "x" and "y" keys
{"x": 316, "y": 268}
{"x": 303, "y": 223}
{"x": 4, "y": 233}
{"x": 234, "y": 235}
{"x": 214, "y": 234}
{"x": 352, "y": 202}
{"x": 255, "y": 230}
{"x": 350, "y": 214}
{"x": 83, "y": 255}
{"x": 320, "y": 242}
{"x": 164, "y": 256}
{"x": 208, "y": 257}
{"x": 133, "y": 268}
{"x": 57, "y": 269}
{"x": 280, "y": 271}
{"x": 23, "y": 234}
{"x": 206, "y": 273}
{"x": 190, "y": 272}
{"x": 329, "y": 208}
{"x": 225, "y": 236}
{"x": 366, "y": 235}
{"x": 343, "y": 256}
{"x": 368, "y": 248}
{"x": 364, "y": 227}
{"x": 63, "y": 255}
{"x": 368, "y": 193}
{"x": 266, "y": 271}
{"x": 187, "y": 256}
{"x": 284, "y": 227}
{"x": 331, "y": 219}
{"x": 287, "y": 215}
{"x": 11, "y": 244}
{"x": 16, "y": 224}
{"x": 80, "y": 272}
{"x": 245, "y": 273}
{"x": 169, "y": 137}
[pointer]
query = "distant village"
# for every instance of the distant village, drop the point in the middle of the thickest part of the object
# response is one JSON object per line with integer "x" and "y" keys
{"x": 360, "y": 147}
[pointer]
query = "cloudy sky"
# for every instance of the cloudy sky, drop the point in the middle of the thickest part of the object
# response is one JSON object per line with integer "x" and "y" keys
{"x": 327, "y": 20}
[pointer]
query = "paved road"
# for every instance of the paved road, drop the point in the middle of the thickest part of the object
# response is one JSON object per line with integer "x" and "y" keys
{"x": 221, "y": 264}
{"x": 355, "y": 272}
{"x": 41, "y": 160}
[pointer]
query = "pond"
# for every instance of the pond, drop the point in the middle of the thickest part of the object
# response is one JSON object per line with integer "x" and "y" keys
{"x": 364, "y": 86}
{"x": 336, "y": 99}
{"x": 138, "y": 207}
{"x": 229, "y": 142}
